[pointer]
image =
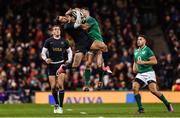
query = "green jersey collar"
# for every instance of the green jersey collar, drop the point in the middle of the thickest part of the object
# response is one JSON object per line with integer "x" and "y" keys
{"x": 142, "y": 48}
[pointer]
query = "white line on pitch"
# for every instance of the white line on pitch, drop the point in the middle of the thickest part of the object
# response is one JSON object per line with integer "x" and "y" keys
{"x": 69, "y": 109}
{"x": 100, "y": 117}
{"x": 83, "y": 113}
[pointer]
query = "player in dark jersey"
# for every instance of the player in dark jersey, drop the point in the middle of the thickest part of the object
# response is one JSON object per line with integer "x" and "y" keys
{"x": 53, "y": 54}
{"x": 81, "y": 39}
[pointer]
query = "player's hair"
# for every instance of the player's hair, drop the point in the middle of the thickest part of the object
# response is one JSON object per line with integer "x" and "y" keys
{"x": 147, "y": 38}
{"x": 144, "y": 36}
{"x": 54, "y": 25}
{"x": 86, "y": 8}
{"x": 51, "y": 28}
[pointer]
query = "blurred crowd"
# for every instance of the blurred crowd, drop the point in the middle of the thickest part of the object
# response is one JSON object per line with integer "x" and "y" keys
{"x": 169, "y": 19}
{"x": 24, "y": 27}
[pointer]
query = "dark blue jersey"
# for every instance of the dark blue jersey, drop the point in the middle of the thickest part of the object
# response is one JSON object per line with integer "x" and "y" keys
{"x": 56, "y": 48}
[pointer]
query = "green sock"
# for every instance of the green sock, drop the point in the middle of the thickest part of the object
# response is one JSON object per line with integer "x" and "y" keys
{"x": 162, "y": 98}
{"x": 138, "y": 101}
{"x": 101, "y": 74}
{"x": 87, "y": 75}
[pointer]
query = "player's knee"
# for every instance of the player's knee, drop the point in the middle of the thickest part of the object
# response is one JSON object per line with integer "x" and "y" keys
{"x": 88, "y": 64}
{"x": 99, "y": 65}
{"x": 135, "y": 89}
{"x": 53, "y": 86}
{"x": 105, "y": 49}
{"x": 53, "y": 89}
{"x": 153, "y": 91}
{"x": 61, "y": 87}
{"x": 74, "y": 65}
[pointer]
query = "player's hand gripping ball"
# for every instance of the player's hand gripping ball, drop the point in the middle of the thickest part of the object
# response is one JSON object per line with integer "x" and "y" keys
{"x": 74, "y": 14}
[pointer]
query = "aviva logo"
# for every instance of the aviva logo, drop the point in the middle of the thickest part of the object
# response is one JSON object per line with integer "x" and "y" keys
{"x": 84, "y": 100}
{"x": 78, "y": 100}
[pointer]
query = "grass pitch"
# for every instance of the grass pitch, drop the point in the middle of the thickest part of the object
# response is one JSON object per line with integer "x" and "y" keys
{"x": 87, "y": 110}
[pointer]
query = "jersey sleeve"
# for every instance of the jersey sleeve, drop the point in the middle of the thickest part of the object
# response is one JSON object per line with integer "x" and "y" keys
{"x": 66, "y": 44}
{"x": 134, "y": 57}
{"x": 46, "y": 44}
{"x": 150, "y": 53}
{"x": 91, "y": 21}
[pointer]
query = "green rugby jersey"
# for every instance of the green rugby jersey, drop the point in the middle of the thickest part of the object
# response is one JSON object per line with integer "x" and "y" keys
{"x": 144, "y": 54}
{"x": 94, "y": 31}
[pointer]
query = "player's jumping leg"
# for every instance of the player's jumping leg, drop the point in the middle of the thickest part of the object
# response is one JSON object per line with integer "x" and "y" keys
{"x": 78, "y": 56}
{"x": 52, "y": 80}
{"x": 87, "y": 72}
{"x": 100, "y": 68}
{"x": 137, "y": 96}
{"x": 77, "y": 60}
{"x": 153, "y": 88}
{"x": 99, "y": 45}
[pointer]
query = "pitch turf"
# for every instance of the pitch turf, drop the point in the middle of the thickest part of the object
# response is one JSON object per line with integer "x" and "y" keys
{"x": 87, "y": 110}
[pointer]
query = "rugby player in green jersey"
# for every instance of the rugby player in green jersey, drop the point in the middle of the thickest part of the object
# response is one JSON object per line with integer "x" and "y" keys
{"x": 144, "y": 59}
{"x": 93, "y": 29}
{"x": 98, "y": 46}
{"x": 91, "y": 25}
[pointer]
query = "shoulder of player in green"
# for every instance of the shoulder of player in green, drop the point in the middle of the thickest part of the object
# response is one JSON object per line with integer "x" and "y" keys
{"x": 150, "y": 52}
{"x": 90, "y": 20}
{"x": 136, "y": 51}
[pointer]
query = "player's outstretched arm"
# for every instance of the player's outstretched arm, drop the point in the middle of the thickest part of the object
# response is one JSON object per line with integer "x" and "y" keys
{"x": 69, "y": 12}
{"x": 78, "y": 19}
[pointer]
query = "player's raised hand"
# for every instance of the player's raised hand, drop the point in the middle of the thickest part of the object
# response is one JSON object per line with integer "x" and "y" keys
{"x": 48, "y": 60}
{"x": 78, "y": 16}
{"x": 69, "y": 12}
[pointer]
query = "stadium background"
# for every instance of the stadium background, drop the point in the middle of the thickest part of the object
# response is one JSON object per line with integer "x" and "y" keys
{"x": 24, "y": 26}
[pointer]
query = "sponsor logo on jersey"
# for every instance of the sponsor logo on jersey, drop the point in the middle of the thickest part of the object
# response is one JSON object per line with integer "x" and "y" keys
{"x": 57, "y": 49}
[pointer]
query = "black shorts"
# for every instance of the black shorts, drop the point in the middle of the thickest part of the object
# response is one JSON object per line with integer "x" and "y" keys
{"x": 52, "y": 69}
{"x": 84, "y": 46}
